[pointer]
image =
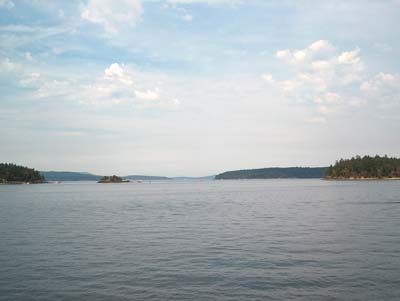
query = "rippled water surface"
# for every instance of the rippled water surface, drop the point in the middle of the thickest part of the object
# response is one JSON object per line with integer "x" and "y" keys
{"x": 217, "y": 240}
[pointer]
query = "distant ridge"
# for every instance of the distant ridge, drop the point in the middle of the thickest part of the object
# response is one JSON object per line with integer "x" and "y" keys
{"x": 145, "y": 178}
{"x": 275, "y": 173}
{"x": 69, "y": 176}
{"x": 60, "y": 176}
{"x": 206, "y": 178}
{"x": 85, "y": 176}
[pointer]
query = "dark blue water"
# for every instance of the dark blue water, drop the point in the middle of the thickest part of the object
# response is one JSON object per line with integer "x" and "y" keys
{"x": 218, "y": 240}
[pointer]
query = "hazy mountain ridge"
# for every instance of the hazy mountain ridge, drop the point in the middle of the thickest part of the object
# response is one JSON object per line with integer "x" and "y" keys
{"x": 145, "y": 178}
{"x": 205, "y": 178}
{"x": 69, "y": 176}
{"x": 274, "y": 173}
{"x": 85, "y": 176}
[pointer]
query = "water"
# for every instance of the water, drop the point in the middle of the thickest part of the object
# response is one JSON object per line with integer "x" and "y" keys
{"x": 218, "y": 240}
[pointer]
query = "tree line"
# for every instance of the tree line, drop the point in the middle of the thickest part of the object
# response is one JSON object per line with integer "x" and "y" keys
{"x": 365, "y": 167}
{"x": 12, "y": 173}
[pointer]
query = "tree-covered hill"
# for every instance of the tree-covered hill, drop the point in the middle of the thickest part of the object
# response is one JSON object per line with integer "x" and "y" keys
{"x": 274, "y": 173}
{"x": 12, "y": 173}
{"x": 364, "y": 168}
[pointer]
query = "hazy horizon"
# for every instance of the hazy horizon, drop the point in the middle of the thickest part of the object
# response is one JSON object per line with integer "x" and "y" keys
{"x": 177, "y": 176}
{"x": 197, "y": 87}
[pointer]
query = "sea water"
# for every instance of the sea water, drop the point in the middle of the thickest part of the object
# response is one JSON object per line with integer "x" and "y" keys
{"x": 211, "y": 240}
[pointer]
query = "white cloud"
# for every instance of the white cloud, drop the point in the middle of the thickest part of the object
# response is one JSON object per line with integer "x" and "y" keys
{"x": 384, "y": 87}
{"x": 268, "y": 77}
{"x": 147, "y": 95}
{"x": 321, "y": 77}
{"x": 16, "y": 73}
{"x": 299, "y": 56}
{"x": 118, "y": 73}
{"x": 349, "y": 57}
{"x": 321, "y": 65}
{"x": 113, "y": 15}
{"x": 321, "y": 45}
{"x": 317, "y": 49}
{"x": 280, "y": 54}
{"x": 381, "y": 80}
{"x": 56, "y": 89}
{"x": 118, "y": 86}
{"x": 328, "y": 81}
{"x": 115, "y": 70}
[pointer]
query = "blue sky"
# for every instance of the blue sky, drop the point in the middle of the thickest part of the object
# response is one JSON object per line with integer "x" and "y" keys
{"x": 196, "y": 87}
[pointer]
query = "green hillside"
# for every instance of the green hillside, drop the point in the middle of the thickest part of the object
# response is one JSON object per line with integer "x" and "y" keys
{"x": 12, "y": 173}
{"x": 364, "y": 168}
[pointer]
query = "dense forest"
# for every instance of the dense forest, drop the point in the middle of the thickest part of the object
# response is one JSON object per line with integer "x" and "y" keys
{"x": 12, "y": 173}
{"x": 365, "y": 167}
{"x": 274, "y": 173}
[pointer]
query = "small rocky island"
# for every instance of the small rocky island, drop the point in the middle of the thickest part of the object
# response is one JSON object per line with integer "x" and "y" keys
{"x": 112, "y": 179}
{"x": 16, "y": 174}
{"x": 365, "y": 168}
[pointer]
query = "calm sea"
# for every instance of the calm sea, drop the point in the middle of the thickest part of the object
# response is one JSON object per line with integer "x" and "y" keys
{"x": 216, "y": 240}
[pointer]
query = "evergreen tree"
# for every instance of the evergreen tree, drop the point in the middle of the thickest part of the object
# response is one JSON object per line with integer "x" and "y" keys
{"x": 365, "y": 167}
{"x": 12, "y": 173}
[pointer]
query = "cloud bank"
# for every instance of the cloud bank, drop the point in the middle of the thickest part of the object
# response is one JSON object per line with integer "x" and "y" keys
{"x": 330, "y": 80}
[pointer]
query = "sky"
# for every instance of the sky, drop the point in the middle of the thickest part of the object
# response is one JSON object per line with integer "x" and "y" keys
{"x": 197, "y": 87}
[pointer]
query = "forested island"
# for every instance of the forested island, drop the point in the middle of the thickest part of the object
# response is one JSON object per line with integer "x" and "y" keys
{"x": 112, "y": 179}
{"x": 367, "y": 167}
{"x": 15, "y": 174}
{"x": 275, "y": 173}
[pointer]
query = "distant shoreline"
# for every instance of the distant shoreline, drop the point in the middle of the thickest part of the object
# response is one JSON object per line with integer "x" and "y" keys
{"x": 113, "y": 182}
{"x": 22, "y": 183}
{"x": 274, "y": 173}
{"x": 361, "y": 179}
